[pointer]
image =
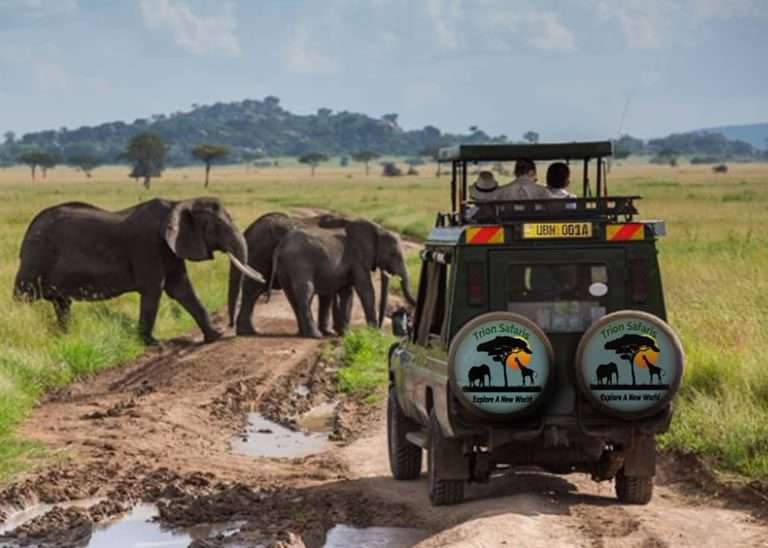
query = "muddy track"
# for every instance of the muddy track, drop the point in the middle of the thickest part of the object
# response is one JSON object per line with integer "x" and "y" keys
{"x": 161, "y": 430}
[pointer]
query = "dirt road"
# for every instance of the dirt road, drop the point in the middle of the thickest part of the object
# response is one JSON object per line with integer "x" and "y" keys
{"x": 161, "y": 430}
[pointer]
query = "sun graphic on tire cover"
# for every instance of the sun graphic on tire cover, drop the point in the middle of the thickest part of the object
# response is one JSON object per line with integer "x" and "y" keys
{"x": 518, "y": 357}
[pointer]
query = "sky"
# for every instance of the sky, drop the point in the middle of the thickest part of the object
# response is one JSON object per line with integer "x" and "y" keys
{"x": 569, "y": 69}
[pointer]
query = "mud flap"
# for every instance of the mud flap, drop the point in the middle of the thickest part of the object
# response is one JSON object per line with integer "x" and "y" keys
{"x": 450, "y": 462}
{"x": 640, "y": 458}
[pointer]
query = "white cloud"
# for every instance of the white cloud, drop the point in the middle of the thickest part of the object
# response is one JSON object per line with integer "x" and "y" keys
{"x": 720, "y": 9}
{"x": 301, "y": 57}
{"x": 540, "y": 29}
{"x": 443, "y": 14}
{"x": 641, "y": 21}
{"x": 193, "y": 32}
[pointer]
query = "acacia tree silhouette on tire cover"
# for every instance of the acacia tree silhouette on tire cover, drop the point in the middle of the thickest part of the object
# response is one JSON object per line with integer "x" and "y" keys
{"x": 501, "y": 348}
{"x": 629, "y": 346}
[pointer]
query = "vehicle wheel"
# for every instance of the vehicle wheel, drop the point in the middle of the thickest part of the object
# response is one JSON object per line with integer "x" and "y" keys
{"x": 442, "y": 492}
{"x": 404, "y": 457}
{"x": 634, "y": 489}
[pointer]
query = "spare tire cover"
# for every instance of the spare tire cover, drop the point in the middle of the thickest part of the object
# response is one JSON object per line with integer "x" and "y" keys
{"x": 629, "y": 364}
{"x": 500, "y": 364}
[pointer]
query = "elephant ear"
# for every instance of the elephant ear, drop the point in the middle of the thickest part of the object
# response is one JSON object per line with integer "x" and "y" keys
{"x": 184, "y": 234}
{"x": 363, "y": 240}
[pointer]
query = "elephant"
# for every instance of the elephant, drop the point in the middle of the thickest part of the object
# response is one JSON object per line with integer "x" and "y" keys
{"x": 609, "y": 371}
{"x": 77, "y": 251}
{"x": 262, "y": 237}
{"x": 310, "y": 261}
{"x": 478, "y": 373}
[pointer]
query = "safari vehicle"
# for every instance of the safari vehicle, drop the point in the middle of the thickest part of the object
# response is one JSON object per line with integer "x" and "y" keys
{"x": 539, "y": 337}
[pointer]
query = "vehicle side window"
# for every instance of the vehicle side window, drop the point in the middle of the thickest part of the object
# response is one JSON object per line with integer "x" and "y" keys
{"x": 432, "y": 314}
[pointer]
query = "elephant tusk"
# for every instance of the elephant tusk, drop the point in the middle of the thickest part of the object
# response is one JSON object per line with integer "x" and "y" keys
{"x": 245, "y": 269}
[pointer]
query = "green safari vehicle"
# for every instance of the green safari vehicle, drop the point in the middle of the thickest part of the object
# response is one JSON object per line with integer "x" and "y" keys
{"x": 539, "y": 337}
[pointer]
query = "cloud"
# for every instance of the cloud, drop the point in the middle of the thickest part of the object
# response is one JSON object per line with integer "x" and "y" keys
{"x": 718, "y": 9}
{"x": 193, "y": 32}
{"x": 302, "y": 58}
{"x": 443, "y": 14}
{"x": 642, "y": 22}
{"x": 540, "y": 29}
{"x": 39, "y": 8}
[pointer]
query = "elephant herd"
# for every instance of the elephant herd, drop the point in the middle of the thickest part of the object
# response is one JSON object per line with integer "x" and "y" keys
{"x": 76, "y": 251}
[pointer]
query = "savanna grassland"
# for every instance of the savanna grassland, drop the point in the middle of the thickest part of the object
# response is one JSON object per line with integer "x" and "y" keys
{"x": 714, "y": 260}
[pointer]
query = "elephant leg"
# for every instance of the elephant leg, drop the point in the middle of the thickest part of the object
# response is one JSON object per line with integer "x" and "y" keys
{"x": 364, "y": 289}
{"x": 62, "y": 306}
{"x": 147, "y": 316}
{"x": 342, "y": 310}
{"x": 303, "y": 294}
{"x": 252, "y": 290}
{"x": 324, "y": 313}
{"x": 179, "y": 288}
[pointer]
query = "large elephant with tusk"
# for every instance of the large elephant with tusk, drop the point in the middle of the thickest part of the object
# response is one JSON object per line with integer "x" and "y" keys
{"x": 310, "y": 261}
{"x": 76, "y": 251}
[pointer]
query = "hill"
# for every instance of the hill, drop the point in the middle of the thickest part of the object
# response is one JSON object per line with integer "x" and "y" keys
{"x": 251, "y": 129}
{"x": 754, "y": 134}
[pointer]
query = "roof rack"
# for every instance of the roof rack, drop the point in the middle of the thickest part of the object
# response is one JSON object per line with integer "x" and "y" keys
{"x": 544, "y": 151}
{"x": 613, "y": 208}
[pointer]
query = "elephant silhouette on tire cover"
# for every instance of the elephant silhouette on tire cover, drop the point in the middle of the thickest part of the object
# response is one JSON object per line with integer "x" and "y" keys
{"x": 478, "y": 373}
{"x": 607, "y": 370}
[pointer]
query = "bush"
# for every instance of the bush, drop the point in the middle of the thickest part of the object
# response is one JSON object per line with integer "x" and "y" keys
{"x": 390, "y": 169}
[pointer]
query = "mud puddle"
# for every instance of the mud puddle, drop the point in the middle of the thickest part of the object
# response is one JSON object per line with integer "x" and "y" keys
{"x": 137, "y": 528}
{"x": 266, "y": 438}
{"x": 18, "y": 518}
{"x": 344, "y": 536}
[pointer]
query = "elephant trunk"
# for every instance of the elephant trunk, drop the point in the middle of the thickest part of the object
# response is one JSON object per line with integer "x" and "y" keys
{"x": 406, "y": 286}
{"x": 234, "y": 245}
{"x": 383, "y": 296}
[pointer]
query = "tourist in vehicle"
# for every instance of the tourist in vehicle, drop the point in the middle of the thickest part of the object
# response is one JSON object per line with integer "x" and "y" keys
{"x": 558, "y": 180}
{"x": 482, "y": 190}
{"x": 524, "y": 186}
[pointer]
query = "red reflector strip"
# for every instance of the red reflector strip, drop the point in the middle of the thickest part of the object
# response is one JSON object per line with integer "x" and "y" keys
{"x": 624, "y": 232}
{"x": 485, "y": 235}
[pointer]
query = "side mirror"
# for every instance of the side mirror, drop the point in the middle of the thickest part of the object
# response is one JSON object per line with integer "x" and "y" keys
{"x": 401, "y": 323}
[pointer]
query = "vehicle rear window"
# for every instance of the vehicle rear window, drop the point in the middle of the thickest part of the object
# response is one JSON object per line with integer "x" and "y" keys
{"x": 561, "y": 298}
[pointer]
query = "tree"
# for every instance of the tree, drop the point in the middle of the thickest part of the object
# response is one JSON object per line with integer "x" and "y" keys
{"x": 365, "y": 157}
{"x": 473, "y": 129}
{"x": 85, "y": 162}
{"x": 390, "y": 118}
{"x": 10, "y": 137}
{"x": 208, "y": 154}
{"x": 312, "y": 159}
{"x": 629, "y": 346}
{"x": 37, "y": 158}
{"x": 531, "y": 136}
{"x": 146, "y": 151}
{"x": 502, "y": 348}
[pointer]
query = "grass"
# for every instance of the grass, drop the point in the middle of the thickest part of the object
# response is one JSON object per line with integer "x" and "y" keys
{"x": 365, "y": 353}
{"x": 714, "y": 264}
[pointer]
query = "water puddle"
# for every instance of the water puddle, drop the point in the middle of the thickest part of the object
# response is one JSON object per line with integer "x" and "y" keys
{"x": 265, "y": 438}
{"x": 19, "y": 518}
{"x": 136, "y": 529}
{"x": 343, "y": 536}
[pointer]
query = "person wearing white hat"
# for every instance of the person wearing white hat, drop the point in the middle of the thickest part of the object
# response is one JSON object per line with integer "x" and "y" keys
{"x": 482, "y": 190}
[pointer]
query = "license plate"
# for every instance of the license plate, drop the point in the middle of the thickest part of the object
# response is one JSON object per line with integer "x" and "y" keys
{"x": 557, "y": 230}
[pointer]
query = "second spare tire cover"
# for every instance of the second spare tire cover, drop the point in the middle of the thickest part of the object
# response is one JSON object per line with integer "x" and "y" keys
{"x": 500, "y": 365}
{"x": 629, "y": 364}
